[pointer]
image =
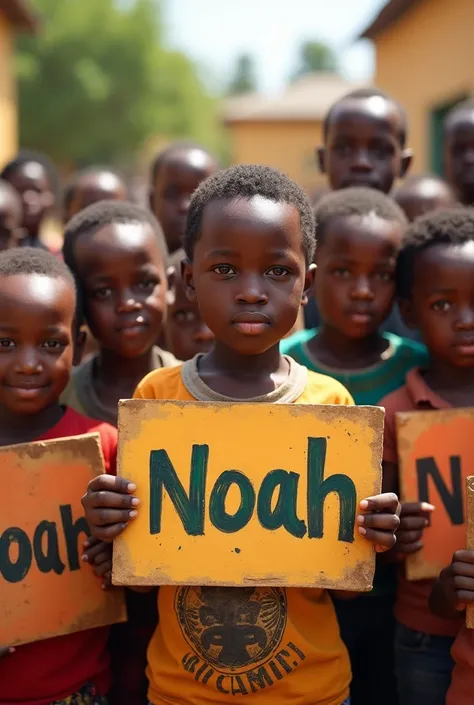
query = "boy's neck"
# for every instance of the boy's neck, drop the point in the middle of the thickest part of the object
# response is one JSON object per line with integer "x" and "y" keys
{"x": 334, "y": 349}
{"x": 24, "y": 428}
{"x": 236, "y": 375}
{"x": 112, "y": 368}
{"x": 454, "y": 384}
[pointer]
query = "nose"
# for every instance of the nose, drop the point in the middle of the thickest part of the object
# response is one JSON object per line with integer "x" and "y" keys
{"x": 466, "y": 318}
{"x": 251, "y": 291}
{"x": 362, "y": 290}
{"x": 127, "y": 302}
{"x": 184, "y": 204}
{"x": 203, "y": 334}
{"x": 28, "y": 362}
{"x": 361, "y": 161}
{"x": 469, "y": 156}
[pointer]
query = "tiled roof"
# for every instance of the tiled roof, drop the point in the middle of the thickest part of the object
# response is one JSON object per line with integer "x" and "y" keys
{"x": 309, "y": 98}
{"x": 390, "y": 13}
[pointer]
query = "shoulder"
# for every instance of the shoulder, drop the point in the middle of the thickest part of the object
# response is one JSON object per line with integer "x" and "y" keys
{"x": 400, "y": 400}
{"x": 76, "y": 424}
{"x": 321, "y": 389}
{"x": 408, "y": 349}
{"x": 160, "y": 384}
{"x": 296, "y": 340}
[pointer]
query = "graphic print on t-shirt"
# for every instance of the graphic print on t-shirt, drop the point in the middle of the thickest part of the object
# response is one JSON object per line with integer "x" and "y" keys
{"x": 236, "y": 636}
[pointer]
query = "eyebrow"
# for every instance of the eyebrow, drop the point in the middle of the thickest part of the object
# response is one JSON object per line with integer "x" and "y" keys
{"x": 233, "y": 253}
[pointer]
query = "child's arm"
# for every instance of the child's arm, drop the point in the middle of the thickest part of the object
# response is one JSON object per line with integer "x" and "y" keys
{"x": 378, "y": 522}
{"x": 109, "y": 505}
{"x": 454, "y": 588}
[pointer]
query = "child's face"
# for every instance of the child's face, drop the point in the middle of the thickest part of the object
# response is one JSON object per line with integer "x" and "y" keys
{"x": 355, "y": 284}
{"x": 249, "y": 273}
{"x": 442, "y": 304}
{"x": 424, "y": 197}
{"x": 92, "y": 188}
{"x": 10, "y": 220}
{"x": 459, "y": 156}
{"x": 186, "y": 333}
{"x": 31, "y": 181}
{"x": 363, "y": 145}
{"x": 122, "y": 271}
{"x": 36, "y": 341}
{"x": 171, "y": 193}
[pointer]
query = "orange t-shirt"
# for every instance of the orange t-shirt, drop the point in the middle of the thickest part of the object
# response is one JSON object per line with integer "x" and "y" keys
{"x": 411, "y": 606}
{"x": 462, "y": 681}
{"x": 275, "y": 644}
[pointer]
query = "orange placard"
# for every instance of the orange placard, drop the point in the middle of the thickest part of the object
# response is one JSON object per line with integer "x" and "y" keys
{"x": 436, "y": 455}
{"x": 45, "y": 589}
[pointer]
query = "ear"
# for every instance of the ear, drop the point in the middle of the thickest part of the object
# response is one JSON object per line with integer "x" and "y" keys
{"x": 407, "y": 158}
{"x": 151, "y": 199}
{"x": 407, "y": 313}
{"x": 321, "y": 158}
{"x": 308, "y": 284}
{"x": 188, "y": 279}
{"x": 79, "y": 345}
{"x": 171, "y": 275}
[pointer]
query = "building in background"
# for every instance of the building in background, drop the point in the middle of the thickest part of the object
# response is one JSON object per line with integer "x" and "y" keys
{"x": 283, "y": 130}
{"x": 425, "y": 59}
{"x": 15, "y": 16}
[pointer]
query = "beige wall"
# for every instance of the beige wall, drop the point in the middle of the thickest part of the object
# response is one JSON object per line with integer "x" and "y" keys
{"x": 8, "y": 117}
{"x": 427, "y": 59}
{"x": 288, "y": 146}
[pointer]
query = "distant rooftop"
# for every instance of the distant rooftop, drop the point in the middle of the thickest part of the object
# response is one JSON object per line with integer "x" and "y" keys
{"x": 309, "y": 98}
{"x": 390, "y": 13}
{"x": 19, "y": 14}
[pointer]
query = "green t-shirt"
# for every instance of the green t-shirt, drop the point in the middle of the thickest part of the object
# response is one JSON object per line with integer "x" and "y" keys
{"x": 367, "y": 387}
{"x": 371, "y": 384}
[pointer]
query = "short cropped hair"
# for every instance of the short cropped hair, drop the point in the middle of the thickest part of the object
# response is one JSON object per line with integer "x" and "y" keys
{"x": 69, "y": 189}
{"x": 466, "y": 106}
{"x": 172, "y": 149}
{"x": 356, "y": 201}
{"x": 100, "y": 214}
{"x": 26, "y": 156}
{"x": 32, "y": 260}
{"x": 453, "y": 226}
{"x": 362, "y": 94}
{"x": 246, "y": 181}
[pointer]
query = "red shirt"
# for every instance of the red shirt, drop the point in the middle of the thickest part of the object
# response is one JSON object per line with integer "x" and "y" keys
{"x": 411, "y": 606}
{"x": 50, "y": 670}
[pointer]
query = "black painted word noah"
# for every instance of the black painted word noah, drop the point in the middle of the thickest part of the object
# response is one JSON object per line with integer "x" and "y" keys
{"x": 271, "y": 515}
{"x": 43, "y": 547}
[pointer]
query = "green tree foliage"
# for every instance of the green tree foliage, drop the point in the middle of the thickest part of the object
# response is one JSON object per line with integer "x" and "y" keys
{"x": 244, "y": 79}
{"x": 97, "y": 82}
{"x": 315, "y": 57}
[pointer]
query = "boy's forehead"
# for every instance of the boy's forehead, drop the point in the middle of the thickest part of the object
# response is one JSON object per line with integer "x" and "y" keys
{"x": 367, "y": 228}
{"x": 254, "y": 212}
{"x": 375, "y": 110}
{"x": 446, "y": 260}
{"x": 37, "y": 291}
{"x": 460, "y": 122}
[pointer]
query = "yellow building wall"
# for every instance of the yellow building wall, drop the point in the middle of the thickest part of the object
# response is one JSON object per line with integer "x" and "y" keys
{"x": 425, "y": 60}
{"x": 288, "y": 146}
{"x": 8, "y": 115}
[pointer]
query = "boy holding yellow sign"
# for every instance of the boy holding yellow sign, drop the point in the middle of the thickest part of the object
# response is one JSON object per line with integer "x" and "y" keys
{"x": 249, "y": 244}
{"x": 39, "y": 327}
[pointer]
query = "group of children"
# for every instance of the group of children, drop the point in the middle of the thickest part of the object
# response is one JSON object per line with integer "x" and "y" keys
{"x": 210, "y": 322}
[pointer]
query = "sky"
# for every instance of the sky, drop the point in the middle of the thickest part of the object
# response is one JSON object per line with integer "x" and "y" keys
{"x": 215, "y": 32}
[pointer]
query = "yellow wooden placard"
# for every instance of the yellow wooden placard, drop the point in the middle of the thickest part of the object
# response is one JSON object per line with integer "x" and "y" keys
{"x": 436, "y": 454}
{"x": 45, "y": 588}
{"x": 470, "y": 539}
{"x": 247, "y": 494}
